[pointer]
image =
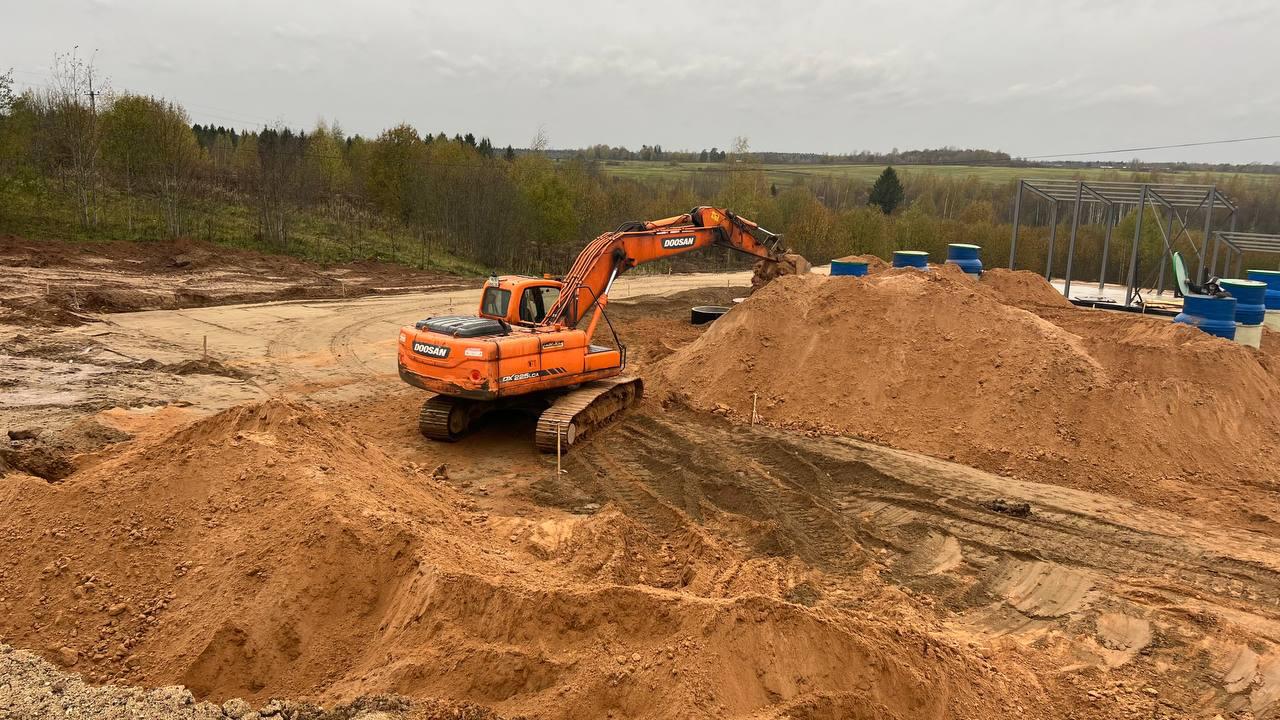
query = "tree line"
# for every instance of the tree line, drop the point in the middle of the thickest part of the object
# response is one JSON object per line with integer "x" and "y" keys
{"x": 120, "y": 165}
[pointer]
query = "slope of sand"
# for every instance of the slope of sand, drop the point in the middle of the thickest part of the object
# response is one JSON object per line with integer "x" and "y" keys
{"x": 1000, "y": 375}
{"x": 268, "y": 551}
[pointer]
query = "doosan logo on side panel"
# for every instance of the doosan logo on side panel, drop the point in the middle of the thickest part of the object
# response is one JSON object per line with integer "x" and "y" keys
{"x": 435, "y": 351}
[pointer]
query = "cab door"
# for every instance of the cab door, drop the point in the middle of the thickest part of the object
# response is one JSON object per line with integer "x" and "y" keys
{"x": 535, "y": 301}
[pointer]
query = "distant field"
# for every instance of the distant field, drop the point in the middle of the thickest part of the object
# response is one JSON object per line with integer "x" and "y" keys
{"x": 784, "y": 173}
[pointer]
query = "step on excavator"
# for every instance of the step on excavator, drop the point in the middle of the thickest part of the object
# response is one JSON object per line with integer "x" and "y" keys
{"x": 524, "y": 348}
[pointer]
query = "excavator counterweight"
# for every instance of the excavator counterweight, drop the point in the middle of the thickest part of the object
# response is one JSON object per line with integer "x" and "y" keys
{"x": 525, "y": 347}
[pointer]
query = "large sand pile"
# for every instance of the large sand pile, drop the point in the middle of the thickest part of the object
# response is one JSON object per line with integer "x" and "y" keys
{"x": 267, "y": 551}
{"x": 942, "y": 364}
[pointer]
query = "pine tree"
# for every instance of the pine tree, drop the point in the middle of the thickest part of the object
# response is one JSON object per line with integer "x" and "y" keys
{"x": 509, "y": 154}
{"x": 887, "y": 194}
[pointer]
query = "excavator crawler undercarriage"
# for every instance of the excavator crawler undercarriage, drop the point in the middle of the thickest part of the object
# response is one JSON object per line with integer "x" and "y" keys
{"x": 571, "y": 415}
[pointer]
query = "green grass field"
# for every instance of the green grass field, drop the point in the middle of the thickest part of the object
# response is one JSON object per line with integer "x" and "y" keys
{"x": 785, "y": 174}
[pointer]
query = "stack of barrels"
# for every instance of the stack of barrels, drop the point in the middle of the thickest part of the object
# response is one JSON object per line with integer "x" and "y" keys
{"x": 1250, "y": 309}
{"x": 1270, "y": 278}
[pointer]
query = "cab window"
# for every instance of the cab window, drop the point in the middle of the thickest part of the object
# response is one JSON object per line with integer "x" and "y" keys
{"x": 536, "y": 301}
{"x": 495, "y": 302}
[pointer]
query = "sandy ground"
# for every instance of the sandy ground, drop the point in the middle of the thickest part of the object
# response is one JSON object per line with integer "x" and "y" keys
{"x": 1077, "y": 604}
{"x": 52, "y": 283}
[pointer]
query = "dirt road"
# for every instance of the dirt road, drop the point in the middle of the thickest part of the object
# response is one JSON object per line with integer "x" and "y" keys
{"x": 326, "y": 350}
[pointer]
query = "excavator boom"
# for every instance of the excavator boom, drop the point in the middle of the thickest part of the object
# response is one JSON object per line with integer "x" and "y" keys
{"x": 613, "y": 253}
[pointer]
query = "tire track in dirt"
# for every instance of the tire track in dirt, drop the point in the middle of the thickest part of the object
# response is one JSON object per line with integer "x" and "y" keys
{"x": 1075, "y": 557}
{"x": 616, "y": 481}
{"x": 672, "y": 469}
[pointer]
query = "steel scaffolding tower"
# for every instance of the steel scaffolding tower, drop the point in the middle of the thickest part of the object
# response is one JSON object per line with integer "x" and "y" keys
{"x": 1117, "y": 198}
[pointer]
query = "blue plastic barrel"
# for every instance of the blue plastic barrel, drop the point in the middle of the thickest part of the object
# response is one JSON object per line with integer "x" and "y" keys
{"x": 1250, "y": 298}
{"x": 1272, "y": 280}
{"x": 966, "y": 256}
{"x": 1214, "y": 315}
{"x": 848, "y": 267}
{"x": 911, "y": 258}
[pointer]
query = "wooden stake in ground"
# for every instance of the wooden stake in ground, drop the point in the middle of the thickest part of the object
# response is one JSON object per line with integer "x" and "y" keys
{"x": 754, "y": 396}
{"x": 559, "y": 430}
{"x": 206, "y": 347}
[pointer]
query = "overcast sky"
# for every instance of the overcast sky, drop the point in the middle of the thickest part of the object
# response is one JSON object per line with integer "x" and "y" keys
{"x": 1024, "y": 76}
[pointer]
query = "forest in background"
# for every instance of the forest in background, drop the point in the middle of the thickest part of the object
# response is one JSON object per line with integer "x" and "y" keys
{"x": 83, "y": 162}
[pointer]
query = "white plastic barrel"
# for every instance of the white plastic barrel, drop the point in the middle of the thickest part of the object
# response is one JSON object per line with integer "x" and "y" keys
{"x": 1250, "y": 335}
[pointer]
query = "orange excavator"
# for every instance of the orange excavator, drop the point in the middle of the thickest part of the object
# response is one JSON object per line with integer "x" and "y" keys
{"x": 525, "y": 348}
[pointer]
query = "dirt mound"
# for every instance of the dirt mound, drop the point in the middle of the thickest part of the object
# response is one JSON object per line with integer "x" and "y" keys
{"x": 62, "y": 283}
{"x": 267, "y": 551}
{"x": 199, "y": 366}
{"x": 936, "y": 363}
{"x": 49, "y": 454}
{"x": 1022, "y": 288}
{"x": 36, "y": 311}
{"x": 875, "y": 263}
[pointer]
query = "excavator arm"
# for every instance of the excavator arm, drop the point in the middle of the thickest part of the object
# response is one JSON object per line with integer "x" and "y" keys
{"x": 600, "y": 263}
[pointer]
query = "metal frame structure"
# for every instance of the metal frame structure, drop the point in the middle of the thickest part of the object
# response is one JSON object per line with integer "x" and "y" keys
{"x": 1237, "y": 244}
{"x": 1116, "y": 197}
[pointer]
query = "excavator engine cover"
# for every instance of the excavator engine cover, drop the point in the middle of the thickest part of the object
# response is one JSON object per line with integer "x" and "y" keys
{"x": 464, "y": 326}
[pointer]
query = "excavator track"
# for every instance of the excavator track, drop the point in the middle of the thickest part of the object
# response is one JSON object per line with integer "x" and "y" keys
{"x": 579, "y": 412}
{"x": 445, "y": 418}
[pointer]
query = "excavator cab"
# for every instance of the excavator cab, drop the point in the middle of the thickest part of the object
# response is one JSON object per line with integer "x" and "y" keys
{"x": 518, "y": 299}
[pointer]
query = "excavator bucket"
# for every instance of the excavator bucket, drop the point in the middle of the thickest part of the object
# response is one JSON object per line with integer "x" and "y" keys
{"x": 766, "y": 271}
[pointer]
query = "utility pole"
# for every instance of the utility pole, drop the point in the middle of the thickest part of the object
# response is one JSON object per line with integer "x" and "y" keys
{"x": 93, "y": 107}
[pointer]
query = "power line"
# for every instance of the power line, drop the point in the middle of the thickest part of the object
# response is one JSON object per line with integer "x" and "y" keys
{"x": 1153, "y": 147}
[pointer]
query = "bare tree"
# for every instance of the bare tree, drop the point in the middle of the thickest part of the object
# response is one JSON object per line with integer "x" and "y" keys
{"x": 540, "y": 140}
{"x": 70, "y": 107}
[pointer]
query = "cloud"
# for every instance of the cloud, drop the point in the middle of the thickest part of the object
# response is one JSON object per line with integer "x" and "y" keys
{"x": 825, "y": 75}
{"x": 1147, "y": 94}
{"x": 452, "y": 65}
{"x": 705, "y": 78}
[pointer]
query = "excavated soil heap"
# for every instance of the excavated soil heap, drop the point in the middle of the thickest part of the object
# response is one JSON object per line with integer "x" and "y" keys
{"x": 268, "y": 551}
{"x": 874, "y": 262}
{"x": 956, "y": 368}
{"x": 1023, "y": 289}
